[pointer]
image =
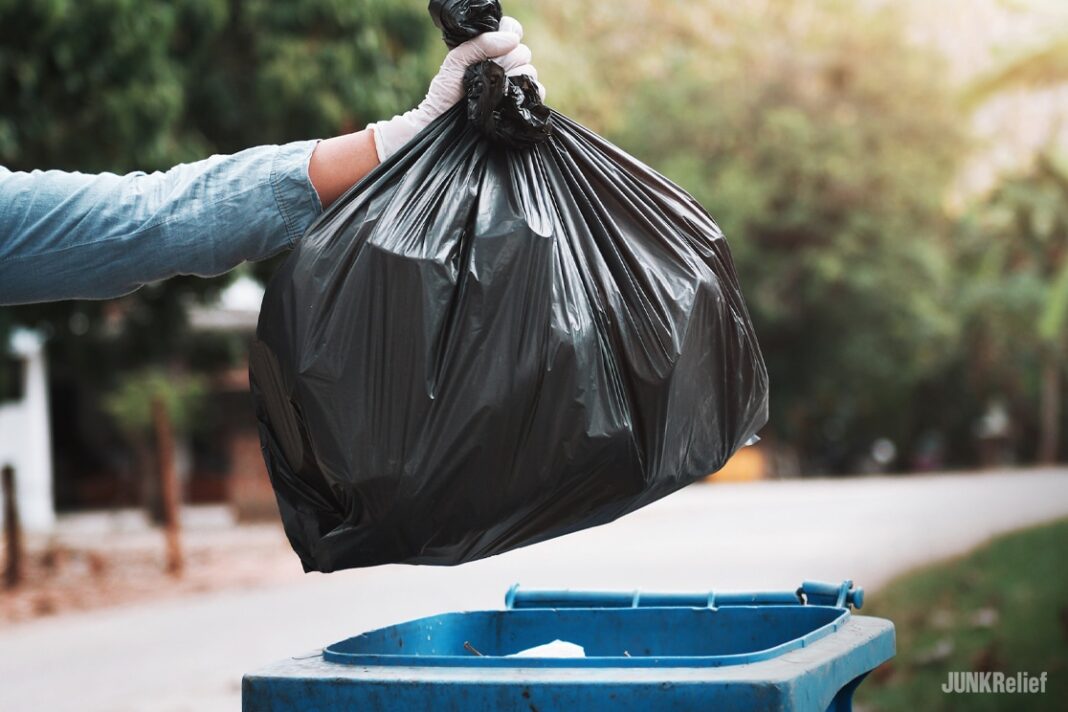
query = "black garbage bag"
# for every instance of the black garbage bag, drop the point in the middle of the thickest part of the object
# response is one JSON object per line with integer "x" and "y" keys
{"x": 508, "y": 331}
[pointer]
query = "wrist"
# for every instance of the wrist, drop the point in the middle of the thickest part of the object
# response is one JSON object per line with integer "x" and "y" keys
{"x": 390, "y": 135}
{"x": 380, "y": 145}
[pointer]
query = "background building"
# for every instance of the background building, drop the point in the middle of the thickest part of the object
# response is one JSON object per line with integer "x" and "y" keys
{"x": 25, "y": 439}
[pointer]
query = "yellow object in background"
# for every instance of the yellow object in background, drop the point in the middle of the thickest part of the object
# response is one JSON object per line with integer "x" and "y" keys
{"x": 749, "y": 464}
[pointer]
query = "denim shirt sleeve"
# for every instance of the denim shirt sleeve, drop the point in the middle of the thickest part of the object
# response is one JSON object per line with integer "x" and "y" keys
{"x": 77, "y": 236}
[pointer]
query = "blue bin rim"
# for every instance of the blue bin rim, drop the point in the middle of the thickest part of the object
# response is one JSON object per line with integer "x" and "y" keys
{"x": 843, "y": 597}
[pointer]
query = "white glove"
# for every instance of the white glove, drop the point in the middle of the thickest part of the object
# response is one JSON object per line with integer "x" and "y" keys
{"x": 447, "y": 88}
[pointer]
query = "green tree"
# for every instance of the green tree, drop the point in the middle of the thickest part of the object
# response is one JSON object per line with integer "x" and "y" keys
{"x": 1015, "y": 241}
{"x": 1013, "y": 255}
{"x": 823, "y": 142}
{"x": 121, "y": 85}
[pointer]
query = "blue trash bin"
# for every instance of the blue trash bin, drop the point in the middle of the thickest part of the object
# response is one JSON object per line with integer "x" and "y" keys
{"x": 796, "y": 650}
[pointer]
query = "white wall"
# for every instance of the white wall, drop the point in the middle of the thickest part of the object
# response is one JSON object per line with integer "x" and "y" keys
{"x": 25, "y": 438}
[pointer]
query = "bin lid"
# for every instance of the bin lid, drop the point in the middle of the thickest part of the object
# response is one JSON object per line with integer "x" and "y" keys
{"x": 629, "y": 629}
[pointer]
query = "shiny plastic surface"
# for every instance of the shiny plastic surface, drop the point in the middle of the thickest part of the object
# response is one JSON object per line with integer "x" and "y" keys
{"x": 505, "y": 109}
{"x": 460, "y": 20}
{"x": 480, "y": 347}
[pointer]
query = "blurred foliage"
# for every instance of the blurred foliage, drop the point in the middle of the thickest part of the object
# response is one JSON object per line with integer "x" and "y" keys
{"x": 131, "y": 403}
{"x": 822, "y": 139}
{"x": 1012, "y": 264}
{"x": 124, "y": 85}
{"x": 132, "y": 406}
{"x": 822, "y": 142}
{"x": 121, "y": 85}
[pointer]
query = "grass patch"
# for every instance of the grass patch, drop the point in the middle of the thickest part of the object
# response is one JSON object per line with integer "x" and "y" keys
{"x": 1003, "y": 607}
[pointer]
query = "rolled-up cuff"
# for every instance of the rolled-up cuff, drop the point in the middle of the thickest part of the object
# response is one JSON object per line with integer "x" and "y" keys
{"x": 380, "y": 141}
{"x": 294, "y": 193}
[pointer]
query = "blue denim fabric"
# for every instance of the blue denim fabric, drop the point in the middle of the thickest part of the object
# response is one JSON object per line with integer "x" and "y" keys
{"x": 76, "y": 236}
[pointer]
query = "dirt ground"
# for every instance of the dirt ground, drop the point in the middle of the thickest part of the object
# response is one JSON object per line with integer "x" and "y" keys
{"x": 102, "y": 560}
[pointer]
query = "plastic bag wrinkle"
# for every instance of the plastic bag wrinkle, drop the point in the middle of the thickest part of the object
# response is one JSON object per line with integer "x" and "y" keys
{"x": 486, "y": 347}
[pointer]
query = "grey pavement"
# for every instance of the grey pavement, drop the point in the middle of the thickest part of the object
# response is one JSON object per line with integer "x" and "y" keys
{"x": 189, "y": 654}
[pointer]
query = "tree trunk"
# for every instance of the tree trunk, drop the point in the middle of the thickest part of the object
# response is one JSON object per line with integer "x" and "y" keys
{"x": 12, "y": 530}
{"x": 169, "y": 490}
{"x": 1049, "y": 410}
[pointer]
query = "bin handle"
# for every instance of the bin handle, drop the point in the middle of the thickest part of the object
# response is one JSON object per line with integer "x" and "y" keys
{"x": 813, "y": 593}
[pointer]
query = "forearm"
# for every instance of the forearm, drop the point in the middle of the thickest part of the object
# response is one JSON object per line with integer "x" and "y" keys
{"x": 339, "y": 163}
{"x": 77, "y": 236}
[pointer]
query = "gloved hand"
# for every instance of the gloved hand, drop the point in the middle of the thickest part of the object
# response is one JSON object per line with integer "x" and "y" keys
{"x": 447, "y": 88}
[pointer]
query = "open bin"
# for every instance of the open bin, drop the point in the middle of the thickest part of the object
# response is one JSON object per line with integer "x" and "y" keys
{"x": 795, "y": 650}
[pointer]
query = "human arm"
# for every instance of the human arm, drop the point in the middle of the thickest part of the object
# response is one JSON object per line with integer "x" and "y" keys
{"x": 78, "y": 236}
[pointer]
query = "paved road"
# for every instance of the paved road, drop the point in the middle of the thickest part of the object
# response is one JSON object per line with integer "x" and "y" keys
{"x": 189, "y": 654}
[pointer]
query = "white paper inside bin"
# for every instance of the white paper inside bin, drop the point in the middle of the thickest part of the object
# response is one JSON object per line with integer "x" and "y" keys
{"x": 556, "y": 649}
